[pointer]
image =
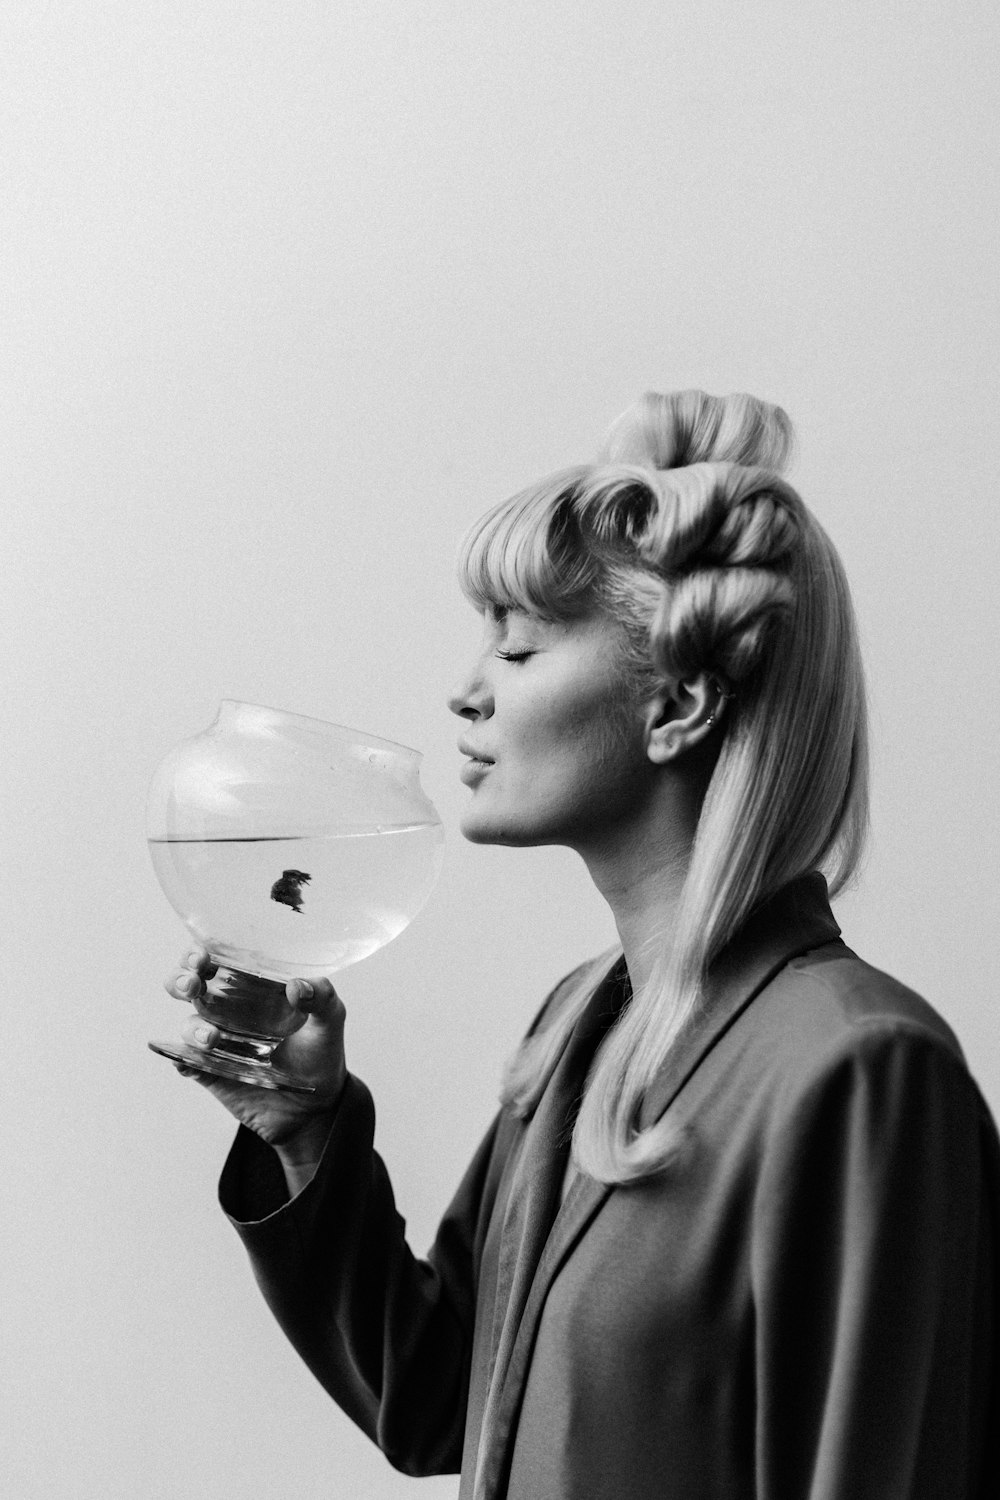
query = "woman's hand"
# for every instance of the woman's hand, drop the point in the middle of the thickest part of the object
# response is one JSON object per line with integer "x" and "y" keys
{"x": 296, "y": 1125}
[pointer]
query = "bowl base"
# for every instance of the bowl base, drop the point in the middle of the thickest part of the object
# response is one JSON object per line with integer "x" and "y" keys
{"x": 263, "y": 1074}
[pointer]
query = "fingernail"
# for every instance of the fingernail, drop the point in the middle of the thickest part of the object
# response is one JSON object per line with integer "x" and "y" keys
{"x": 202, "y": 1033}
{"x": 183, "y": 983}
{"x": 194, "y": 958}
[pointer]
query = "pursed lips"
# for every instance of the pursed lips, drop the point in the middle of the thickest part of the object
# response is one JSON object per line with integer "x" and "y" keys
{"x": 473, "y": 754}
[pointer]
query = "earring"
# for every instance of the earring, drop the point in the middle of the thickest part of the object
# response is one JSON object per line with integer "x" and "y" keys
{"x": 724, "y": 697}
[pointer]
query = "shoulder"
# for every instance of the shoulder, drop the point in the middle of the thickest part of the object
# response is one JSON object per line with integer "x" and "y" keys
{"x": 829, "y": 1021}
{"x": 834, "y": 997}
{"x": 853, "y": 1084}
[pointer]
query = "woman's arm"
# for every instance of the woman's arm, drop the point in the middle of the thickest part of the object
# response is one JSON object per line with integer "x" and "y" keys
{"x": 875, "y": 1280}
{"x": 388, "y": 1336}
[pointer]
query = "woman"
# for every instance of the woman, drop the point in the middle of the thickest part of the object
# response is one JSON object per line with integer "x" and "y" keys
{"x": 734, "y": 1231}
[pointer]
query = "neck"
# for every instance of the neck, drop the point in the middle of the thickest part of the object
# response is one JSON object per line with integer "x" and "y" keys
{"x": 640, "y": 872}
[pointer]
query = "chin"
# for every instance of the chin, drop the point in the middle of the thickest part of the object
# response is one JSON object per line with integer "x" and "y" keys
{"x": 478, "y": 833}
{"x": 483, "y": 830}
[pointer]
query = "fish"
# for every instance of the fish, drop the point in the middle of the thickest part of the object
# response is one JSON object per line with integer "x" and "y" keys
{"x": 288, "y": 890}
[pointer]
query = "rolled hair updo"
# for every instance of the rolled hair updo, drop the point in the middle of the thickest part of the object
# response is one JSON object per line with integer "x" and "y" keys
{"x": 686, "y": 534}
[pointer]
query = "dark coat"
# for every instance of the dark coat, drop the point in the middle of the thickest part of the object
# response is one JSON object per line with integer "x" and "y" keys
{"x": 804, "y": 1306}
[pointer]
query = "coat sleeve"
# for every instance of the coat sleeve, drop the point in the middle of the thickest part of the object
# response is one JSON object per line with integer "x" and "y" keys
{"x": 389, "y": 1336}
{"x": 874, "y": 1272}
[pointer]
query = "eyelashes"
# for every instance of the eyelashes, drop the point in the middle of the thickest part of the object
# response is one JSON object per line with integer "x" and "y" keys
{"x": 513, "y": 655}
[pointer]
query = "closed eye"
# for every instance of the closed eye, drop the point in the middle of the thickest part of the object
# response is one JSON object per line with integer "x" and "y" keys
{"x": 514, "y": 655}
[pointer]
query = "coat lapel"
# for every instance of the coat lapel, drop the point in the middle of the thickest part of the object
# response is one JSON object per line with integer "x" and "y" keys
{"x": 794, "y": 920}
{"x": 538, "y": 1235}
{"x": 536, "y": 1182}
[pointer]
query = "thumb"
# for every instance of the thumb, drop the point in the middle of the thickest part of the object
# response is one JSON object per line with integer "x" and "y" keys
{"x": 317, "y": 998}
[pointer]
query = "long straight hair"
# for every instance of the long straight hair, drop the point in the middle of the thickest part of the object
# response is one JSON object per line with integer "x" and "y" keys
{"x": 686, "y": 534}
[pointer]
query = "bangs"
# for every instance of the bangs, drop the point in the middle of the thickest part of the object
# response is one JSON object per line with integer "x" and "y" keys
{"x": 525, "y": 553}
{"x": 550, "y": 549}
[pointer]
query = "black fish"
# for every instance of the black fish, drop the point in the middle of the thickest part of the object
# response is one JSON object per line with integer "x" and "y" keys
{"x": 287, "y": 889}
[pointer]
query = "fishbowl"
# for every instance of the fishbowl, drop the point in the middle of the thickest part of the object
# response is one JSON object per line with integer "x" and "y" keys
{"x": 290, "y": 848}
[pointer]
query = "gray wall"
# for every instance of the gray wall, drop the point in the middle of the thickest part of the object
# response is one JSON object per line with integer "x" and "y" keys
{"x": 291, "y": 291}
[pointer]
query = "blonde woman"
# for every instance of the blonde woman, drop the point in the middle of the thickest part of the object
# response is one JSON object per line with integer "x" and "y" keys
{"x": 734, "y": 1230}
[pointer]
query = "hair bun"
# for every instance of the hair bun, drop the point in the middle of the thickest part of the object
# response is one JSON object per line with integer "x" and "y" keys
{"x": 691, "y": 427}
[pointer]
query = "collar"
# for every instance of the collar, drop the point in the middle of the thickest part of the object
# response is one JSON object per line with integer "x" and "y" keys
{"x": 791, "y": 922}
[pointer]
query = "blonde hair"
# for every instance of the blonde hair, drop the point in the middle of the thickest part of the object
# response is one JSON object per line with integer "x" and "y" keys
{"x": 686, "y": 534}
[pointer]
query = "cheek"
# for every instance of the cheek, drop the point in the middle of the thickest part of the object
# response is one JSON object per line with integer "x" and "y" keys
{"x": 599, "y": 725}
{"x": 584, "y": 744}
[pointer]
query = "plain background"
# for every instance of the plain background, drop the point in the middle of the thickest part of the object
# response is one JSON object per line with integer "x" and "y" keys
{"x": 290, "y": 293}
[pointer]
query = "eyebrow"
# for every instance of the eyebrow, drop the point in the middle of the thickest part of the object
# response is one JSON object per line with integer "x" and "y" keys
{"x": 505, "y": 617}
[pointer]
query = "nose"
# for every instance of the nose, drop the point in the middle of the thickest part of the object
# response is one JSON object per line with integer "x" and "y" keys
{"x": 472, "y": 697}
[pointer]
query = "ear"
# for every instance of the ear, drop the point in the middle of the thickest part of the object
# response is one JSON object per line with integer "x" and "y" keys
{"x": 681, "y": 716}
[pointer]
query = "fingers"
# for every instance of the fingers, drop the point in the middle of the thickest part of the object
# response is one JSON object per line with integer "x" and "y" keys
{"x": 207, "y": 1080}
{"x": 315, "y": 997}
{"x": 200, "y": 1034}
{"x": 188, "y": 982}
{"x": 199, "y": 960}
{"x": 184, "y": 985}
{"x": 312, "y": 997}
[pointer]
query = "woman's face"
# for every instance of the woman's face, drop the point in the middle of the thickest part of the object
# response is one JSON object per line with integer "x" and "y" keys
{"x": 556, "y": 750}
